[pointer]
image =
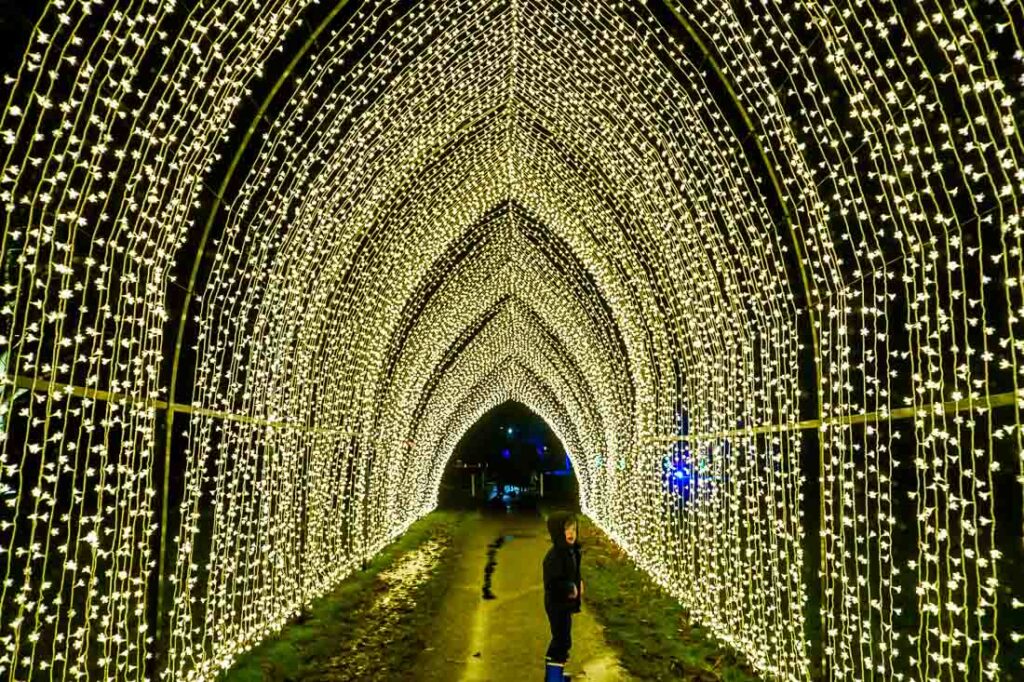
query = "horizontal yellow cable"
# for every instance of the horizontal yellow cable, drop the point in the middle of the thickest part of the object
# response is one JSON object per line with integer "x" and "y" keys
{"x": 42, "y": 385}
{"x": 950, "y": 407}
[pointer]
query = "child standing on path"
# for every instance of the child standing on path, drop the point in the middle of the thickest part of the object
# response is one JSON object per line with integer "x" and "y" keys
{"x": 563, "y": 590}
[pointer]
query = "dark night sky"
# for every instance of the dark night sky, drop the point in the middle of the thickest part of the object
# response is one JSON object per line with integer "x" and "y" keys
{"x": 490, "y": 437}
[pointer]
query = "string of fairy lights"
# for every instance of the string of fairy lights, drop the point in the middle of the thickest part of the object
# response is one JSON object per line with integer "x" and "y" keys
{"x": 917, "y": 276}
{"x": 757, "y": 265}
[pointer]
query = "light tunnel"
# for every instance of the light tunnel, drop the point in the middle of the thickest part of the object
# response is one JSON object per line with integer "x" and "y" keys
{"x": 264, "y": 262}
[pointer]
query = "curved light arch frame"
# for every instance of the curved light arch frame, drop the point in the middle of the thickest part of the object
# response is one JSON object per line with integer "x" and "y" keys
{"x": 500, "y": 395}
{"x": 140, "y": 400}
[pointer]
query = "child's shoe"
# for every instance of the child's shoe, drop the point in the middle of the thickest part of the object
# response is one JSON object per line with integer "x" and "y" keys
{"x": 554, "y": 672}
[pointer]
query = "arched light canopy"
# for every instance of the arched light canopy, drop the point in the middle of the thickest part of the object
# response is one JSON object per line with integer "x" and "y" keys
{"x": 264, "y": 262}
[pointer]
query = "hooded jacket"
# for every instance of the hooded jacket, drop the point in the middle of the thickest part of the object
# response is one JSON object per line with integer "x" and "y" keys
{"x": 561, "y": 566}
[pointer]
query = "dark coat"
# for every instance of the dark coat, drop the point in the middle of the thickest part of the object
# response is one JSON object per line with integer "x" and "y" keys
{"x": 561, "y": 567}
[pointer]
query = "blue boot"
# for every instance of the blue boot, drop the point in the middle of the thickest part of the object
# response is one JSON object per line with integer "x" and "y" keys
{"x": 554, "y": 672}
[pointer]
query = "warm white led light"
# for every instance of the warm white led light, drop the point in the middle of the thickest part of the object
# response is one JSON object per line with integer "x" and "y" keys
{"x": 724, "y": 249}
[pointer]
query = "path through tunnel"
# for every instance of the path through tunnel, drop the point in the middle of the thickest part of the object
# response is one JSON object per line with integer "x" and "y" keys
{"x": 756, "y": 265}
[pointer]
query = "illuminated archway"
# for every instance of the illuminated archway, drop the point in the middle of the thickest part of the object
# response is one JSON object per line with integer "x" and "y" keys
{"x": 518, "y": 384}
{"x": 253, "y": 274}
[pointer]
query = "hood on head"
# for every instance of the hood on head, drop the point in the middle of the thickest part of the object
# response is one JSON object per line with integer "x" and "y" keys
{"x": 556, "y": 527}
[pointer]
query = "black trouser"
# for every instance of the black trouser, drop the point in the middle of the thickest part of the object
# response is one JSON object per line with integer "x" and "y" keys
{"x": 561, "y": 634}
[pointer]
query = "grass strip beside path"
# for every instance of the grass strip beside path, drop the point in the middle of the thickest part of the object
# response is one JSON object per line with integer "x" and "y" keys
{"x": 650, "y": 630}
{"x": 372, "y": 625}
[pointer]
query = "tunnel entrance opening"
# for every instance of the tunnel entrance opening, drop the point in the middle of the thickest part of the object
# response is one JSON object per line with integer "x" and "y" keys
{"x": 509, "y": 460}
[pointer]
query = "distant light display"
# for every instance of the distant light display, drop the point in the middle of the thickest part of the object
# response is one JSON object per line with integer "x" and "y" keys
{"x": 757, "y": 264}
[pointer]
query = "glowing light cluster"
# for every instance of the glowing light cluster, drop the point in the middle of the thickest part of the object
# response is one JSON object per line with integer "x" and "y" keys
{"x": 265, "y": 262}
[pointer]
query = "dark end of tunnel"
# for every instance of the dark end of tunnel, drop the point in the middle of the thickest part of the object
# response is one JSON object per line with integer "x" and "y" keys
{"x": 509, "y": 461}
